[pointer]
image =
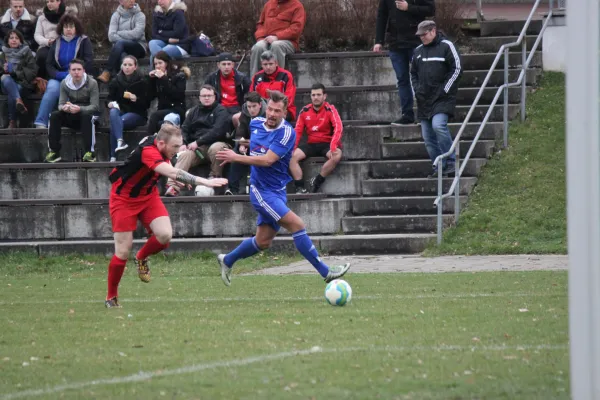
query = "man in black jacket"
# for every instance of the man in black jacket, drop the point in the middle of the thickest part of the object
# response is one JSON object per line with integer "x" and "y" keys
{"x": 435, "y": 73}
{"x": 204, "y": 134}
{"x": 17, "y": 17}
{"x": 401, "y": 18}
{"x": 231, "y": 85}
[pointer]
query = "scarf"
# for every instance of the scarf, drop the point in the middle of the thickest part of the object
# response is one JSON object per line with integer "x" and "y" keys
{"x": 14, "y": 56}
{"x": 54, "y": 16}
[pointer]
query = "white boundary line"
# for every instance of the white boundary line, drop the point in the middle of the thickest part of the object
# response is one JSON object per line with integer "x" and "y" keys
{"x": 441, "y": 296}
{"x": 144, "y": 376}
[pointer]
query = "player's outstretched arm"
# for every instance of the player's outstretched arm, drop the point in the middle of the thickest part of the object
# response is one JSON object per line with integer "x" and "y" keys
{"x": 186, "y": 178}
{"x": 230, "y": 156}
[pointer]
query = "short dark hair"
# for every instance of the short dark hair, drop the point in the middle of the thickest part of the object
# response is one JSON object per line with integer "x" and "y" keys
{"x": 16, "y": 32}
{"x": 318, "y": 86}
{"x": 206, "y": 86}
{"x": 77, "y": 61}
{"x": 253, "y": 97}
{"x": 69, "y": 19}
{"x": 277, "y": 97}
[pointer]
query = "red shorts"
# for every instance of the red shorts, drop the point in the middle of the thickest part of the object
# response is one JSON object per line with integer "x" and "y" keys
{"x": 125, "y": 212}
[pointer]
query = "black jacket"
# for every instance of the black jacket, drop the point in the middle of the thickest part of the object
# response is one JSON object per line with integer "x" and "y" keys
{"x": 242, "y": 84}
{"x": 401, "y": 25}
{"x": 137, "y": 85}
{"x": 206, "y": 125}
{"x": 24, "y": 72}
{"x": 171, "y": 25}
{"x": 435, "y": 73}
{"x": 170, "y": 90}
{"x": 26, "y": 26}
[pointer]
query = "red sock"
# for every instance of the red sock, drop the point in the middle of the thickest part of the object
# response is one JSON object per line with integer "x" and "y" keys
{"x": 151, "y": 247}
{"x": 115, "y": 272}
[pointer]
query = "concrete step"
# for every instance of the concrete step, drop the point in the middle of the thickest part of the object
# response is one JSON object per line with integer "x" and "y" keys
{"x": 417, "y": 150}
{"x": 509, "y": 28}
{"x": 407, "y": 133}
{"x": 491, "y": 44}
{"x": 416, "y": 168}
{"x": 393, "y": 224}
{"x": 340, "y": 244}
{"x": 370, "y": 206}
{"x": 413, "y": 186}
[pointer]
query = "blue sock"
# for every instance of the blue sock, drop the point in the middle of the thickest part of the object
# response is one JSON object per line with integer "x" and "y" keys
{"x": 307, "y": 249}
{"x": 246, "y": 249}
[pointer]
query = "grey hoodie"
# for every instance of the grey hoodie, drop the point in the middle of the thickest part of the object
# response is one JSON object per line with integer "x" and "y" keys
{"x": 128, "y": 25}
{"x": 86, "y": 95}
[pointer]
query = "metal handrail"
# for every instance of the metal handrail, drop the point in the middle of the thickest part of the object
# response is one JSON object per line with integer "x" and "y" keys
{"x": 455, "y": 148}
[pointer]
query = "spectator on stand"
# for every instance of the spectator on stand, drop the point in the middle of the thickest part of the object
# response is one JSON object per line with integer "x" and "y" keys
{"x": 278, "y": 29}
{"x": 169, "y": 30}
{"x": 45, "y": 30}
{"x": 231, "y": 86}
{"x": 435, "y": 73}
{"x": 273, "y": 77}
{"x": 77, "y": 109}
{"x": 168, "y": 81}
{"x": 19, "y": 71}
{"x": 204, "y": 133}
{"x": 401, "y": 18}
{"x": 254, "y": 107}
{"x": 126, "y": 33}
{"x": 17, "y": 17}
{"x": 127, "y": 103}
{"x": 324, "y": 129}
{"x": 71, "y": 44}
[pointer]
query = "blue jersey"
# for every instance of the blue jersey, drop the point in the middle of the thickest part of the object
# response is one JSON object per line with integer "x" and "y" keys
{"x": 280, "y": 141}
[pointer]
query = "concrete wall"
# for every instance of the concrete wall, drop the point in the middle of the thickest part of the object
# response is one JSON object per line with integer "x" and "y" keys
{"x": 554, "y": 53}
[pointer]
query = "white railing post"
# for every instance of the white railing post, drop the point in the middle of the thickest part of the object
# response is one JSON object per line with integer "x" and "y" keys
{"x": 524, "y": 82}
{"x": 505, "y": 114}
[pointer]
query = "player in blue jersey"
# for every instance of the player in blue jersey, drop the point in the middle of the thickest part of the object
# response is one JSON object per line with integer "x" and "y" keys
{"x": 271, "y": 147}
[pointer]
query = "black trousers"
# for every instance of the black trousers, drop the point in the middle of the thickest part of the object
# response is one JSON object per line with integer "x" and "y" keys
{"x": 40, "y": 60}
{"x": 81, "y": 121}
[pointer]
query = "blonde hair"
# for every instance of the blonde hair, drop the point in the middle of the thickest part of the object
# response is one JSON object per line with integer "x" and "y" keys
{"x": 167, "y": 131}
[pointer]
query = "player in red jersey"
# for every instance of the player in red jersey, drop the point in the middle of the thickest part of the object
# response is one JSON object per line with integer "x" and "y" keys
{"x": 134, "y": 196}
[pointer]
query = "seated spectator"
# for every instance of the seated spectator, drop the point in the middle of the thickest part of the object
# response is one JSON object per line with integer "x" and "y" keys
{"x": 324, "y": 129}
{"x": 71, "y": 44}
{"x": 17, "y": 17}
{"x": 127, "y": 34}
{"x": 77, "y": 109}
{"x": 167, "y": 83}
{"x": 254, "y": 107}
{"x": 45, "y": 30}
{"x": 204, "y": 134}
{"x": 169, "y": 30}
{"x": 278, "y": 29}
{"x": 231, "y": 85}
{"x": 127, "y": 103}
{"x": 273, "y": 77}
{"x": 19, "y": 71}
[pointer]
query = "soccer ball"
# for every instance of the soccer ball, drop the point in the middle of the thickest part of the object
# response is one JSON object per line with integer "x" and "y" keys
{"x": 338, "y": 292}
{"x": 204, "y": 191}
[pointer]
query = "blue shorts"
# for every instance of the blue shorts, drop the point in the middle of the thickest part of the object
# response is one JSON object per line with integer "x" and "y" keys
{"x": 271, "y": 206}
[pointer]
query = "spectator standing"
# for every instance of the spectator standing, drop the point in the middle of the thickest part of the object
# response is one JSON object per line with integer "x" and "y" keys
{"x": 127, "y": 103}
{"x": 205, "y": 133}
{"x": 278, "y": 29}
{"x": 78, "y": 105}
{"x": 169, "y": 30}
{"x": 254, "y": 107}
{"x": 167, "y": 83}
{"x": 19, "y": 71}
{"x": 324, "y": 129}
{"x": 401, "y": 18}
{"x": 45, "y": 30}
{"x": 273, "y": 77}
{"x": 17, "y": 17}
{"x": 127, "y": 34}
{"x": 71, "y": 44}
{"x": 231, "y": 85}
{"x": 435, "y": 74}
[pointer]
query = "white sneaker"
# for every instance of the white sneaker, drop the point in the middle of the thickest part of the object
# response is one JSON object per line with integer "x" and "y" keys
{"x": 121, "y": 145}
{"x": 41, "y": 126}
{"x": 225, "y": 270}
{"x": 337, "y": 272}
{"x": 113, "y": 159}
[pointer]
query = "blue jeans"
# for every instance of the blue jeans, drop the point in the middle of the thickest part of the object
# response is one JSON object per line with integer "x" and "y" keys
{"x": 157, "y": 45}
{"x": 13, "y": 90}
{"x": 119, "y": 122}
{"x": 437, "y": 138}
{"x": 49, "y": 102}
{"x": 119, "y": 50}
{"x": 401, "y": 62}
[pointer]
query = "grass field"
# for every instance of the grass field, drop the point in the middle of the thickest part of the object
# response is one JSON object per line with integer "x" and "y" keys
{"x": 500, "y": 335}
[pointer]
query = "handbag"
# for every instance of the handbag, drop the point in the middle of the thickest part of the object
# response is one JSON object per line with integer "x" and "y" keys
{"x": 40, "y": 85}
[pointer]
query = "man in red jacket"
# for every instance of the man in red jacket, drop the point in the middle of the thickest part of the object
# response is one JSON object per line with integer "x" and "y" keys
{"x": 273, "y": 77}
{"x": 324, "y": 126}
{"x": 279, "y": 29}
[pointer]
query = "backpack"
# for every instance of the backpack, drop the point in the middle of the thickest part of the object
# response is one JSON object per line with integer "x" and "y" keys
{"x": 201, "y": 46}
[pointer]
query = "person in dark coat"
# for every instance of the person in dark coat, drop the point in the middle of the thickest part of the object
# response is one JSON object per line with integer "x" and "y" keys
{"x": 399, "y": 18}
{"x": 435, "y": 74}
{"x": 19, "y": 71}
{"x": 170, "y": 32}
{"x": 17, "y": 17}
{"x": 127, "y": 102}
